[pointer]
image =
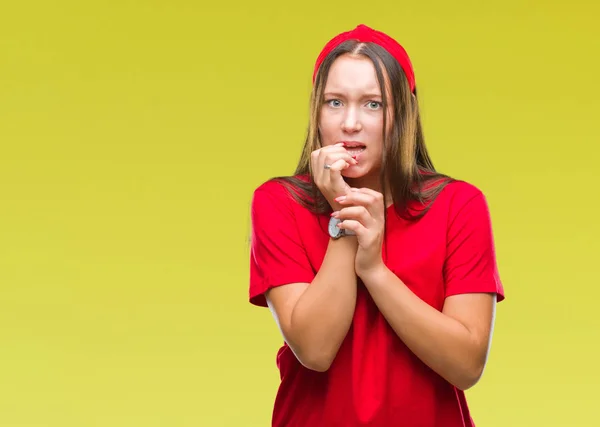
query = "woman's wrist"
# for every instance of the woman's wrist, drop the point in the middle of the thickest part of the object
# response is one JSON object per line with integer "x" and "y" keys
{"x": 373, "y": 274}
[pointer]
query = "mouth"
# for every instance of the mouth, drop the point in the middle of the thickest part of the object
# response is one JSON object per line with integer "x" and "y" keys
{"x": 354, "y": 148}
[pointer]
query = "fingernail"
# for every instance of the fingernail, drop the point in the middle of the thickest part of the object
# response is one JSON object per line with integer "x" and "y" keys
{"x": 335, "y": 214}
{"x": 354, "y": 189}
{"x": 340, "y": 199}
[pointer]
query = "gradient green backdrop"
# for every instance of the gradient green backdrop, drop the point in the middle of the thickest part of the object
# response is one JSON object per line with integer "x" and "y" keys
{"x": 132, "y": 135}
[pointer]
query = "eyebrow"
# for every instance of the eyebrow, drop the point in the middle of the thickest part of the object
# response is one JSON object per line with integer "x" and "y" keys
{"x": 340, "y": 95}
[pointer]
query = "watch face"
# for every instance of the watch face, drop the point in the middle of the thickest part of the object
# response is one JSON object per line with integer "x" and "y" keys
{"x": 334, "y": 230}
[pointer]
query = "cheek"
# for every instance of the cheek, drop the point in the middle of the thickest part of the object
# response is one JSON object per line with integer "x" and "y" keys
{"x": 374, "y": 127}
{"x": 327, "y": 128}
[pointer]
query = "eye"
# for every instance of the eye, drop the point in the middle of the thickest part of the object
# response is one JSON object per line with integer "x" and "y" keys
{"x": 374, "y": 105}
{"x": 335, "y": 103}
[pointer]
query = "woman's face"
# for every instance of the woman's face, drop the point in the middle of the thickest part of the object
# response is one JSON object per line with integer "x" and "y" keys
{"x": 353, "y": 113}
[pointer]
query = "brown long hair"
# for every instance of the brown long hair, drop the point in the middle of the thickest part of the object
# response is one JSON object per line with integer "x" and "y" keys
{"x": 406, "y": 168}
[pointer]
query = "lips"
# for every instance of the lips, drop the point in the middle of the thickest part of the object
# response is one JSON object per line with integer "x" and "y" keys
{"x": 353, "y": 144}
{"x": 354, "y": 147}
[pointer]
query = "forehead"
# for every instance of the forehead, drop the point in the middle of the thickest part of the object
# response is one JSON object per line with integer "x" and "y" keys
{"x": 352, "y": 74}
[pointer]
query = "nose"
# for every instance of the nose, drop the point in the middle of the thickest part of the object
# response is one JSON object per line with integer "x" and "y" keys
{"x": 351, "y": 121}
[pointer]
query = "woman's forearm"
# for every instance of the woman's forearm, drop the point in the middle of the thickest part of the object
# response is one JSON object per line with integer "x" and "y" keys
{"x": 323, "y": 314}
{"x": 443, "y": 343}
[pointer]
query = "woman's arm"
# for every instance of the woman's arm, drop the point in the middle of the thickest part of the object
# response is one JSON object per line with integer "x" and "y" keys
{"x": 314, "y": 319}
{"x": 454, "y": 343}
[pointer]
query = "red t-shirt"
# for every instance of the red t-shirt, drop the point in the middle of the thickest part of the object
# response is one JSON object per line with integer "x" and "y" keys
{"x": 375, "y": 380}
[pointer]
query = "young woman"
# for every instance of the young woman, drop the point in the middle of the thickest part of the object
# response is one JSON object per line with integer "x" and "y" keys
{"x": 379, "y": 271}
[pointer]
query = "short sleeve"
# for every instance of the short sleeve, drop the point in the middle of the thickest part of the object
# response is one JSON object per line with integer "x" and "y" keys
{"x": 277, "y": 255}
{"x": 470, "y": 265}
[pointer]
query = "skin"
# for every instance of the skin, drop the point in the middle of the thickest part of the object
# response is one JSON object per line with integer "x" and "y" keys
{"x": 315, "y": 319}
{"x": 353, "y": 111}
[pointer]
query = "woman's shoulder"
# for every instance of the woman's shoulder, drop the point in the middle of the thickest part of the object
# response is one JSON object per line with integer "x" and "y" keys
{"x": 460, "y": 197}
{"x": 279, "y": 185}
{"x": 443, "y": 192}
{"x": 457, "y": 190}
{"x": 279, "y": 189}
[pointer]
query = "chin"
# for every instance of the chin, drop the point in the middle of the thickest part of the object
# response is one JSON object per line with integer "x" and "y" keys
{"x": 354, "y": 172}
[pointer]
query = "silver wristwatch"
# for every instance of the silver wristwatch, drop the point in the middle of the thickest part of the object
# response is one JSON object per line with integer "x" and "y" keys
{"x": 335, "y": 232}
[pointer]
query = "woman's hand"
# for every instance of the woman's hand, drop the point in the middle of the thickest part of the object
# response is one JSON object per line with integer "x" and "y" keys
{"x": 330, "y": 181}
{"x": 363, "y": 213}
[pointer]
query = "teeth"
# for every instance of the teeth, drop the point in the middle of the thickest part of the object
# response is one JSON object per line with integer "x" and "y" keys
{"x": 354, "y": 151}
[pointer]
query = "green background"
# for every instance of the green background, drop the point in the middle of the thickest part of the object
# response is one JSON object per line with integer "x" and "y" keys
{"x": 132, "y": 134}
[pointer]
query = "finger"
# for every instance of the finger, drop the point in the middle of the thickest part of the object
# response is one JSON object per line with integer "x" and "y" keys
{"x": 319, "y": 156}
{"x": 375, "y": 197}
{"x": 324, "y": 156}
{"x": 335, "y": 148}
{"x": 327, "y": 156}
{"x": 338, "y": 166}
{"x": 357, "y": 198}
{"x": 369, "y": 201}
{"x": 376, "y": 194}
{"x": 356, "y": 213}
{"x": 330, "y": 157}
{"x": 330, "y": 149}
{"x": 317, "y": 168}
{"x": 335, "y": 172}
{"x": 353, "y": 226}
